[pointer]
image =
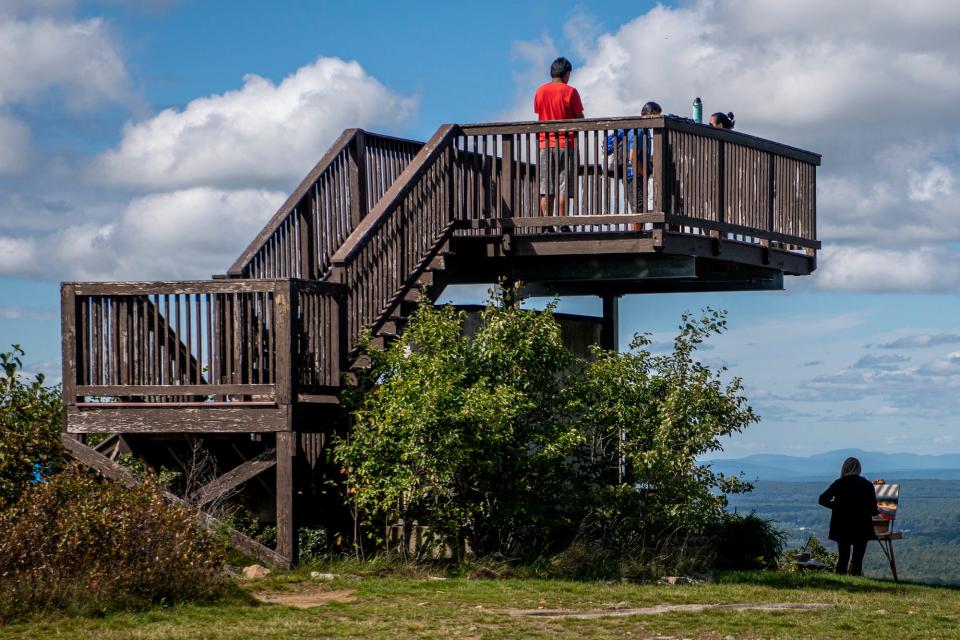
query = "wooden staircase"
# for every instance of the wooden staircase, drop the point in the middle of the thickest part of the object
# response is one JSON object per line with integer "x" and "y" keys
{"x": 258, "y": 354}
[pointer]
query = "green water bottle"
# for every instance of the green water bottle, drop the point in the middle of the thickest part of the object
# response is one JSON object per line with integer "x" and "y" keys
{"x": 697, "y": 110}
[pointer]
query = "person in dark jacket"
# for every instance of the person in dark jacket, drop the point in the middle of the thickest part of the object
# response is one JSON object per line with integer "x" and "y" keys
{"x": 853, "y": 501}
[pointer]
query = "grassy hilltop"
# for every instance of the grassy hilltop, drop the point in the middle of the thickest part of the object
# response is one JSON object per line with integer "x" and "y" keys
{"x": 391, "y": 606}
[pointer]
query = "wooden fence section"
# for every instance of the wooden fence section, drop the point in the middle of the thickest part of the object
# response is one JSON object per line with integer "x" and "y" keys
{"x": 318, "y": 351}
{"x": 327, "y": 205}
{"x": 209, "y": 343}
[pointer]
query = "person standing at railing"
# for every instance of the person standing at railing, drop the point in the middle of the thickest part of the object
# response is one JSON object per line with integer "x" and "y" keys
{"x": 615, "y": 156}
{"x": 853, "y": 502}
{"x": 557, "y": 100}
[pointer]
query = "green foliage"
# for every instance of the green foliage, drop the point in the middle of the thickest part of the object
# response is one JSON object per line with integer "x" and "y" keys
{"x": 30, "y": 426}
{"x": 653, "y": 415}
{"x": 314, "y": 544}
{"x": 165, "y": 477}
{"x": 465, "y": 432}
{"x": 84, "y": 545}
{"x": 498, "y": 441}
{"x": 747, "y": 543}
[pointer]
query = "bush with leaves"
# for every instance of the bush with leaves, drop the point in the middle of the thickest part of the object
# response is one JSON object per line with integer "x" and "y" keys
{"x": 495, "y": 439}
{"x": 83, "y": 545}
{"x": 747, "y": 543}
{"x": 465, "y": 433}
{"x": 30, "y": 427}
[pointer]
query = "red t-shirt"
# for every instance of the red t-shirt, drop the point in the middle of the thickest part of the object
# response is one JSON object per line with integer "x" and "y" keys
{"x": 557, "y": 101}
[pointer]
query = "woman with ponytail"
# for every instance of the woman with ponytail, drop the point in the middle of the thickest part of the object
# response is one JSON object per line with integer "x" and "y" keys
{"x": 723, "y": 120}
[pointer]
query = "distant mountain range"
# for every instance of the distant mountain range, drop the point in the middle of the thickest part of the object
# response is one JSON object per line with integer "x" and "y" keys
{"x": 889, "y": 466}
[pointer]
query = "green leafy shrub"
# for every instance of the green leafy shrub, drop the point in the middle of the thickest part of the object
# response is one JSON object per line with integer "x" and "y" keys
{"x": 464, "y": 433}
{"x": 747, "y": 542}
{"x": 313, "y": 543}
{"x": 79, "y": 544}
{"x": 30, "y": 426}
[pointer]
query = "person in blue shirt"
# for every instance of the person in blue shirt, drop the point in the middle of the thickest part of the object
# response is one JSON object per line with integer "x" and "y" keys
{"x": 615, "y": 140}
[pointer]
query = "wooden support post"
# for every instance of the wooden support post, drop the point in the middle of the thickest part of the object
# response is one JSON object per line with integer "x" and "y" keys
{"x": 68, "y": 346}
{"x": 771, "y": 191}
{"x": 358, "y": 178}
{"x": 285, "y": 306}
{"x": 722, "y": 188}
{"x": 610, "y": 329}
{"x": 508, "y": 197}
{"x": 286, "y": 531}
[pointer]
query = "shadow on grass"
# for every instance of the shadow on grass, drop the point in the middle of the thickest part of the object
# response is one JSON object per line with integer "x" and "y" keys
{"x": 799, "y": 580}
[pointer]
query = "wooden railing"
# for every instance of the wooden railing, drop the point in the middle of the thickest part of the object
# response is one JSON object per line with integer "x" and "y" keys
{"x": 481, "y": 179}
{"x": 329, "y": 203}
{"x": 199, "y": 342}
{"x": 697, "y": 179}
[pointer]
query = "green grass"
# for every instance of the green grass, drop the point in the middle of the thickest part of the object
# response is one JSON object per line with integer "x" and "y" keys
{"x": 395, "y": 606}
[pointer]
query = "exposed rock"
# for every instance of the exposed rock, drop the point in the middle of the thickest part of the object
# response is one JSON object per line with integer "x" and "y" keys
{"x": 255, "y": 571}
{"x": 323, "y": 577}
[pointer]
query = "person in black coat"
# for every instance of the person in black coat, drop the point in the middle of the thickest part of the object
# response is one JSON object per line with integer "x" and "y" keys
{"x": 853, "y": 501}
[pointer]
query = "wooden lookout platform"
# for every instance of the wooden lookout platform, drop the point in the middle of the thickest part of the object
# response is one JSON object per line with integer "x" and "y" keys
{"x": 251, "y": 361}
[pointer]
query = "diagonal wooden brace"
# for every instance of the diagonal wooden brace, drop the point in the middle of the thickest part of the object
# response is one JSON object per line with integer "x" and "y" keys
{"x": 113, "y": 471}
{"x": 233, "y": 478}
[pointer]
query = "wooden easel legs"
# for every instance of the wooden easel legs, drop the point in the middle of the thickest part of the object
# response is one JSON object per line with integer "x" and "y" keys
{"x": 887, "y": 547}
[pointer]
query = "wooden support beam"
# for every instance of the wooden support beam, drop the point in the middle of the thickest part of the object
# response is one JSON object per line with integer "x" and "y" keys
{"x": 286, "y": 531}
{"x": 233, "y": 478}
{"x": 610, "y": 329}
{"x": 108, "y": 417}
{"x": 113, "y": 471}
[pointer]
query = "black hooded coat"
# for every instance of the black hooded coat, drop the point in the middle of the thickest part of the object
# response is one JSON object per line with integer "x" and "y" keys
{"x": 853, "y": 501}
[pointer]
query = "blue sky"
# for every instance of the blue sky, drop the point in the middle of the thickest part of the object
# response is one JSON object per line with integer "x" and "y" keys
{"x": 125, "y": 122}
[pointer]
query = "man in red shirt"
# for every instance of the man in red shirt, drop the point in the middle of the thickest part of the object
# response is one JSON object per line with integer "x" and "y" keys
{"x": 557, "y": 100}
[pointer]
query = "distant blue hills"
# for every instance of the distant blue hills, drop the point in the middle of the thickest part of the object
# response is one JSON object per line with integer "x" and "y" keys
{"x": 888, "y": 466}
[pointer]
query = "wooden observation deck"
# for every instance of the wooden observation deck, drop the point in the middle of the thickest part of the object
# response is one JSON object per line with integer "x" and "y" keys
{"x": 251, "y": 361}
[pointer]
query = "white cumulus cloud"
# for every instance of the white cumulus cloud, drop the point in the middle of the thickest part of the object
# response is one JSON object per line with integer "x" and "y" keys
{"x": 191, "y": 233}
{"x": 859, "y": 268}
{"x": 262, "y": 133}
{"x": 78, "y": 57}
{"x": 15, "y": 151}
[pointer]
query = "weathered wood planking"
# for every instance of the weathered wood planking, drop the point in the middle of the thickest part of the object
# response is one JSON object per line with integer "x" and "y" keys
{"x": 177, "y": 419}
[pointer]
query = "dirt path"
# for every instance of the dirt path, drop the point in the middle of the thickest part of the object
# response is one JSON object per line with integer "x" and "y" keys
{"x": 304, "y": 598}
{"x": 662, "y": 608}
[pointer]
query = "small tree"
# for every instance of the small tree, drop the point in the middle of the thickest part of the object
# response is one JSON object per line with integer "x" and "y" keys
{"x": 649, "y": 417}
{"x": 30, "y": 426}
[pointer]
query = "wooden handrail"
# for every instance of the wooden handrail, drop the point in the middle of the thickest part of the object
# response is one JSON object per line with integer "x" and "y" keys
{"x": 437, "y": 144}
{"x": 346, "y": 138}
{"x": 327, "y": 204}
{"x": 641, "y": 122}
{"x": 388, "y": 250}
{"x": 216, "y": 338}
